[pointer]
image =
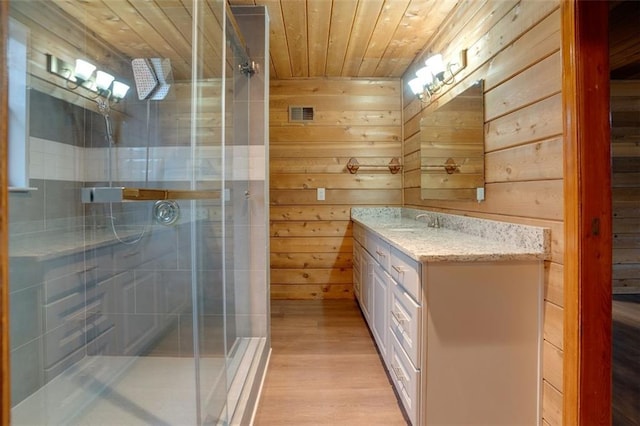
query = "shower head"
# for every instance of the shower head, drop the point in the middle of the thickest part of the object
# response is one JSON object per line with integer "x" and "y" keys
{"x": 153, "y": 77}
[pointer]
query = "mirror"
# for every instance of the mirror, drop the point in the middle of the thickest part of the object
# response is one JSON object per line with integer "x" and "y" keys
{"x": 452, "y": 148}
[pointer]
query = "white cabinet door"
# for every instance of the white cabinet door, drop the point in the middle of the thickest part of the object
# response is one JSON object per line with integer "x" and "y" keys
{"x": 357, "y": 268}
{"x": 366, "y": 278}
{"x": 380, "y": 309}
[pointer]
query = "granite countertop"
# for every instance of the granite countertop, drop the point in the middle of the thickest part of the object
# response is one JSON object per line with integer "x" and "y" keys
{"x": 50, "y": 245}
{"x": 459, "y": 238}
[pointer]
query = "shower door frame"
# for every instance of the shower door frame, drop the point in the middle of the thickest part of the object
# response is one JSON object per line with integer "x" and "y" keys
{"x": 5, "y": 393}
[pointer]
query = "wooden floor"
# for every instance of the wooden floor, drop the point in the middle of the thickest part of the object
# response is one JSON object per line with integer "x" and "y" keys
{"x": 324, "y": 369}
{"x": 626, "y": 360}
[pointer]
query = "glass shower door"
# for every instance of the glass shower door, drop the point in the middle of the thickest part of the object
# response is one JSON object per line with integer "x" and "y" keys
{"x": 241, "y": 346}
{"x": 229, "y": 291}
{"x": 136, "y": 310}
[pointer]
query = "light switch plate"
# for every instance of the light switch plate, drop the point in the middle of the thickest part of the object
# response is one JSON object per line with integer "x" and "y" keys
{"x": 320, "y": 194}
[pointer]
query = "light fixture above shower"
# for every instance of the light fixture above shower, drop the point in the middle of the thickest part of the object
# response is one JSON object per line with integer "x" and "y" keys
{"x": 85, "y": 74}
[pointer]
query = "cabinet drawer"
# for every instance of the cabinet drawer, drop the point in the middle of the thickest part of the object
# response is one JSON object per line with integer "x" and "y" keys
{"x": 379, "y": 249}
{"x": 406, "y": 272}
{"x": 406, "y": 379}
{"x": 405, "y": 321}
{"x": 63, "y": 341}
{"x": 359, "y": 234}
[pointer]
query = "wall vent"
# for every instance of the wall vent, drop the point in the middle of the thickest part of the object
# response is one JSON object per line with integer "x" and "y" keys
{"x": 300, "y": 113}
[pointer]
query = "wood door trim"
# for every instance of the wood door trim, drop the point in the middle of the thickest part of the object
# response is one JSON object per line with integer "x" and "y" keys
{"x": 5, "y": 390}
{"x": 587, "y": 213}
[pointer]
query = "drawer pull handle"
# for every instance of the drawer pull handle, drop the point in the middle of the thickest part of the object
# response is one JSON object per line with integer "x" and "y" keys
{"x": 381, "y": 253}
{"x": 398, "y": 372}
{"x": 398, "y": 269}
{"x": 127, "y": 255}
{"x": 399, "y": 317}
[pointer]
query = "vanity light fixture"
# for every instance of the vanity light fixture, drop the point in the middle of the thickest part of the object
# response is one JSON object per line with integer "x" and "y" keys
{"x": 84, "y": 74}
{"x": 435, "y": 74}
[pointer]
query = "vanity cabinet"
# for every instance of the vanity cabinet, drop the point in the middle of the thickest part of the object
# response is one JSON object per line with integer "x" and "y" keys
{"x": 389, "y": 295}
{"x": 461, "y": 339}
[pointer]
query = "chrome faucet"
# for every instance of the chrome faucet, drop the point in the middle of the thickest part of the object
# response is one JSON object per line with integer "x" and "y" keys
{"x": 434, "y": 224}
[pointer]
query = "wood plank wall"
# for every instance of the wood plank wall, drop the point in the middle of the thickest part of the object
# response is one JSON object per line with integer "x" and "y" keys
{"x": 311, "y": 241}
{"x": 515, "y": 47}
{"x": 625, "y": 152}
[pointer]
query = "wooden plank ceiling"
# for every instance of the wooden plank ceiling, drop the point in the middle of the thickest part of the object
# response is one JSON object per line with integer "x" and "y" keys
{"x": 309, "y": 38}
{"x": 349, "y": 38}
{"x": 137, "y": 28}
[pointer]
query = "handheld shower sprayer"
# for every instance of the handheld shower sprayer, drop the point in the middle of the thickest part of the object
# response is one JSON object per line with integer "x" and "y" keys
{"x": 153, "y": 78}
{"x": 105, "y": 109}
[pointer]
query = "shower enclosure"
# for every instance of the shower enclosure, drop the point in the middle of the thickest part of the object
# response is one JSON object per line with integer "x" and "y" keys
{"x": 138, "y": 221}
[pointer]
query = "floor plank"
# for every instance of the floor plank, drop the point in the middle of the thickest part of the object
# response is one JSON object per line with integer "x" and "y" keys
{"x": 324, "y": 369}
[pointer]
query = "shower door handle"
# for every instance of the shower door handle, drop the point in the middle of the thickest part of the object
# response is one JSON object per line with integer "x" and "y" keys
{"x": 119, "y": 194}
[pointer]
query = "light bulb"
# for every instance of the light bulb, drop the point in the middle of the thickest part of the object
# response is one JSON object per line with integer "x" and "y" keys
{"x": 83, "y": 70}
{"x": 425, "y": 75}
{"x": 119, "y": 90}
{"x": 103, "y": 80}
{"x": 436, "y": 65}
{"x": 416, "y": 85}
